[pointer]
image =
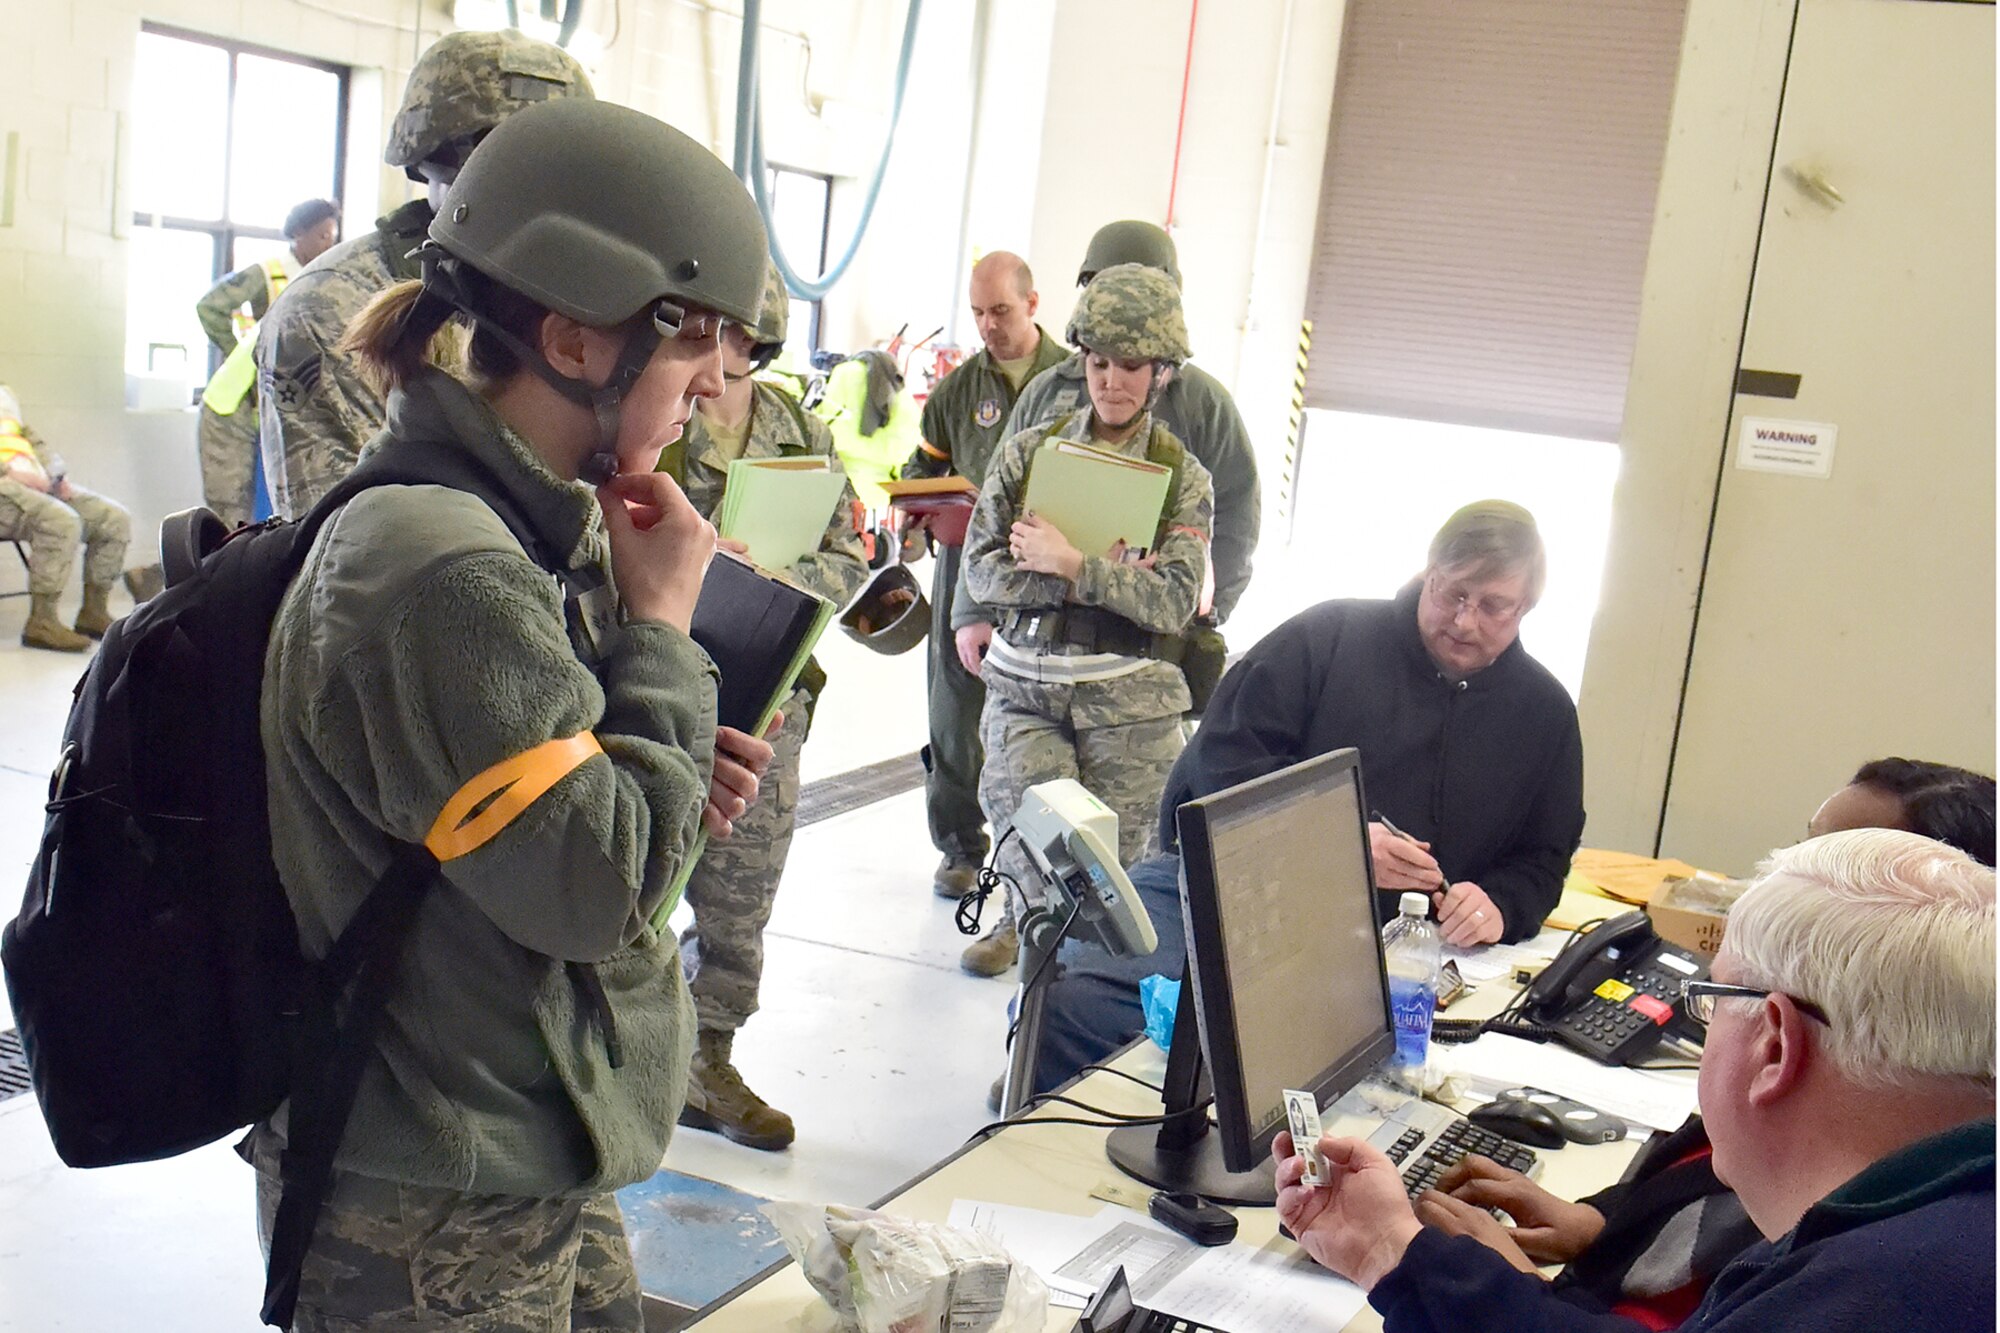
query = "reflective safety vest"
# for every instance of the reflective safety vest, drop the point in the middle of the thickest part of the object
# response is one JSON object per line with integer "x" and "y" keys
{"x": 233, "y": 380}
{"x": 14, "y": 444}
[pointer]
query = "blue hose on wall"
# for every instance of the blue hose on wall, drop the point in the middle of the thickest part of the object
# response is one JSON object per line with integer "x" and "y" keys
{"x": 749, "y": 157}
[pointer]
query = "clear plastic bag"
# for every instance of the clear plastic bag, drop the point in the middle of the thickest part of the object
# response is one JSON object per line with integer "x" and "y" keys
{"x": 885, "y": 1274}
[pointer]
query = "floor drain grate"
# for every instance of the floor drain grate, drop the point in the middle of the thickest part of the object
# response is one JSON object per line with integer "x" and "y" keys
{"x": 863, "y": 786}
{"x": 13, "y": 1065}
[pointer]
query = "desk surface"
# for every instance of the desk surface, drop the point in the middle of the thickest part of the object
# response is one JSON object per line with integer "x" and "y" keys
{"x": 1054, "y": 1168}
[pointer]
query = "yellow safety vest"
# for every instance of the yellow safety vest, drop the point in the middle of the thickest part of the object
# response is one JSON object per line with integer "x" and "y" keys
{"x": 232, "y": 381}
{"x": 14, "y": 444}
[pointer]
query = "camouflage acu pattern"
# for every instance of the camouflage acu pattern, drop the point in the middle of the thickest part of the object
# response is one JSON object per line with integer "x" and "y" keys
{"x": 465, "y": 83}
{"x": 316, "y": 406}
{"x": 1035, "y": 733}
{"x": 964, "y": 419}
{"x": 1202, "y": 415}
{"x": 1130, "y": 242}
{"x": 387, "y": 1255}
{"x": 228, "y": 446}
{"x": 774, "y": 313}
{"x": 1131, "y": 313}
{"x": 736, "y": 882}
{"x": 1161, "y": 599}
{"x": 217, "y": 308}
{"x": 55, "y": 528}
{"x": 778, "y": 429}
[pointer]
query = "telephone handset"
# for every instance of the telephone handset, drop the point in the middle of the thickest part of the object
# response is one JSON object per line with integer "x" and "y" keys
{"x": 1613, "y": 992}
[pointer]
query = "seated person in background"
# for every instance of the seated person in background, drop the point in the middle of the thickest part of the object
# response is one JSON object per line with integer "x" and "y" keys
{"x": 1649, "y": 1246}
{"x": 1847, "y": 1085}
{"x": 1953, "y": 805}
{"x": 1466, "y": 742}
{"x": 44, "y": 508}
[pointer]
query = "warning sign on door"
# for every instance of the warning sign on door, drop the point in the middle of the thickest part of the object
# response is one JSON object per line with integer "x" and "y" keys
{"x": 1801, "y": 448}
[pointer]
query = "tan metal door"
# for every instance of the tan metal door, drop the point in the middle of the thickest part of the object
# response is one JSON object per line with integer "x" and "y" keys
{"x": 1852, "y": 616}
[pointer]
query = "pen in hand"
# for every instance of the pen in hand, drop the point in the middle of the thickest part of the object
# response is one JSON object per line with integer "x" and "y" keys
{"x": 1444, "y": 880}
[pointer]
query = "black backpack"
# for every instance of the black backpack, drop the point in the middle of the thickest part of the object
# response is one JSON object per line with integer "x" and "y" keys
{"x": 154, "y": 971}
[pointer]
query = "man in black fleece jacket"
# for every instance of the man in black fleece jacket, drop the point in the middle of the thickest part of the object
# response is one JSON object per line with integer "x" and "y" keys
{"x": 1467, "y": 744}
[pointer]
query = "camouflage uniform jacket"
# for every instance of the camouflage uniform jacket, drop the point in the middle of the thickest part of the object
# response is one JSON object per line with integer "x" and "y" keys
{"x": 418, "y": 647}
{"x": 315, "y": 406}
{"x": 965, "y": 416}
{"x": 838, "y": 567}
{"x": 1202, "y": 415}
{"x": 216, "y": 310}
{"x": 1161, "y": 599}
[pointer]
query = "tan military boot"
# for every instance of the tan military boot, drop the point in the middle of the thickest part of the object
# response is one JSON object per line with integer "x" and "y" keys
{"x": 45, "y": 630}
{"x": 719, "y": 1100}
{"x": 955, "y": 878}
{"x": 994, "y": 954}
{"x": 96, "y": 617}
{"x": 145, "y": 582}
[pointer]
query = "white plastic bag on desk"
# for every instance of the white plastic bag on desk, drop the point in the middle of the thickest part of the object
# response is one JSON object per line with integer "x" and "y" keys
{"x": 884, "y": 1274}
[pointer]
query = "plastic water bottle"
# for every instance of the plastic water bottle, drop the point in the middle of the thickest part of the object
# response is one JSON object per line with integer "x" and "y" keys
{"x": 1411, "y": 947}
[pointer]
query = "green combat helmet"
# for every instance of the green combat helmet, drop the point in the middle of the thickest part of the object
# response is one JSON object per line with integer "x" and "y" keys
{"x": 890, "y": 614}
{"x": 1131, "y": 313}
{"x": 767, "y": 333}
{"x": 603, "y": 214}
{"x": 465, "y": 83}
{"x": 1129, "y": 242}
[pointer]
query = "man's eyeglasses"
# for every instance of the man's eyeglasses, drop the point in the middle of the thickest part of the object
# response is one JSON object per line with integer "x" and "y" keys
{"x": 1493, "y": 610}
{"x": 1700, "y": 998}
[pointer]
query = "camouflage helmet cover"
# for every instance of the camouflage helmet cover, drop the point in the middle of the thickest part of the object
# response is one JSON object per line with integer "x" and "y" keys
{"x": 774, "y": 315}
{"x": 1133, "y": 313}
{"x": 465, "y": 83}
{"x": 1129, "y": 242}
{"x": 597, "y": 211}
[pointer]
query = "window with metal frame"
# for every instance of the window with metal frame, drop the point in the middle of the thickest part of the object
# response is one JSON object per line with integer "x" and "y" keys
{"x": 226, "y": 139}
{"x": 801, "y": 213}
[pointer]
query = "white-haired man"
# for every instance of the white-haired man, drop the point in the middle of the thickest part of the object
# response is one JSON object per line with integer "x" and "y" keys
{"x": 1847, "y": 1086}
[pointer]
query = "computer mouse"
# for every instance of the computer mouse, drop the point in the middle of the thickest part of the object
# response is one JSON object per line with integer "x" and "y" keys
{"x": 1522, "y": 1121}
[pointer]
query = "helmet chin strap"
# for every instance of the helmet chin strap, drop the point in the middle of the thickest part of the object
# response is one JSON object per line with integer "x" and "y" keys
{"x": 441, "y": 278}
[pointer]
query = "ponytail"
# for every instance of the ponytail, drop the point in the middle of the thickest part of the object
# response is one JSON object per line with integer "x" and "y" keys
{"x": 402, "y": 332}
{"x": 411, "y": 328}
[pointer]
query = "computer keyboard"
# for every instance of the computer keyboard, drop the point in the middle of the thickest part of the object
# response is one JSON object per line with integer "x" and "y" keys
{"x": 1426, "y": 1140}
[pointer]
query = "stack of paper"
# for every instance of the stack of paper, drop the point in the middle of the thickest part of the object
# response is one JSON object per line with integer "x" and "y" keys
{"x": 779, "y": 507}
{"x": 1654, "y": 1098}
{"x": 1097, "y": 498}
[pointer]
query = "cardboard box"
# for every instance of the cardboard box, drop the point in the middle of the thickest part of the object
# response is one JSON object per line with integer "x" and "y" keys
{"x": 1696, "y": 927}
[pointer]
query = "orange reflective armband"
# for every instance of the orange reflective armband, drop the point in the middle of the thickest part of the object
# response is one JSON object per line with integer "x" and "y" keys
{"x": 933, "y": 450}
{"x": 479, "y": 810}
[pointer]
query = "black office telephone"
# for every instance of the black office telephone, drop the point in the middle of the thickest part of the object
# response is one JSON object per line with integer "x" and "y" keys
{"x": 1614, "y": 992}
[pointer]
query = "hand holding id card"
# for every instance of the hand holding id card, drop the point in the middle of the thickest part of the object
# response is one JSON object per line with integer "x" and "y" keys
{"x": 1302, "y": 1110}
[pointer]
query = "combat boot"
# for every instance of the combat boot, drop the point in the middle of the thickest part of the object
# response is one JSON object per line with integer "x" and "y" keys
{"x": 955, "y": 877}
{"x": 145, "y": 582}
{"x": 45, "y": 630}
{"x": 719, "y": 1100}
{"x": 95, "y": 617}
{"x": 994, "y": 954}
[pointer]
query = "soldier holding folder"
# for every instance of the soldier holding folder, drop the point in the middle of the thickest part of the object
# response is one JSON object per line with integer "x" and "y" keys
{"x": 1082, "y": 679}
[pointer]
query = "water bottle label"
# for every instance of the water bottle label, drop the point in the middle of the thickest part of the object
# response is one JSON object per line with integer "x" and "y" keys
{"x": 1413, "y": 1005}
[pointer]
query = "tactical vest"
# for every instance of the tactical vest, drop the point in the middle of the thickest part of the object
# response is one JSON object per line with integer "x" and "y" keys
{"x": 1092, "y": 628}
{"x": 237, "y": 375}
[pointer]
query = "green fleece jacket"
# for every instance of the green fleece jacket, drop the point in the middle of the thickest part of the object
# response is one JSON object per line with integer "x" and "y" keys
{"x": 418, "y": 647}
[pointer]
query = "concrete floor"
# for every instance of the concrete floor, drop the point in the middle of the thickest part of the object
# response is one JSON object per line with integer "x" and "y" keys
{"x": 869, "y": 1035}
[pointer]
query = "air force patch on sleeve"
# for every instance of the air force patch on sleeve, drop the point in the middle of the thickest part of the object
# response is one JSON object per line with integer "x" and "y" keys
{"x": 988, "y": 413}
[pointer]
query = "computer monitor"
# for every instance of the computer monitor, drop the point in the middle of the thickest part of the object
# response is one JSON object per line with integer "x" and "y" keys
{"x": 1285, "y": 986}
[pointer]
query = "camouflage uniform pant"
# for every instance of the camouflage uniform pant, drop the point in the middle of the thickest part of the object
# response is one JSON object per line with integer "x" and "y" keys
{"x": 54, "y": 529}
{"x": 1034, "y": 734}
{"x": 735, "y": 884}
{"x": 388, "y": 1256}
{"x": 229, "y": 462}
